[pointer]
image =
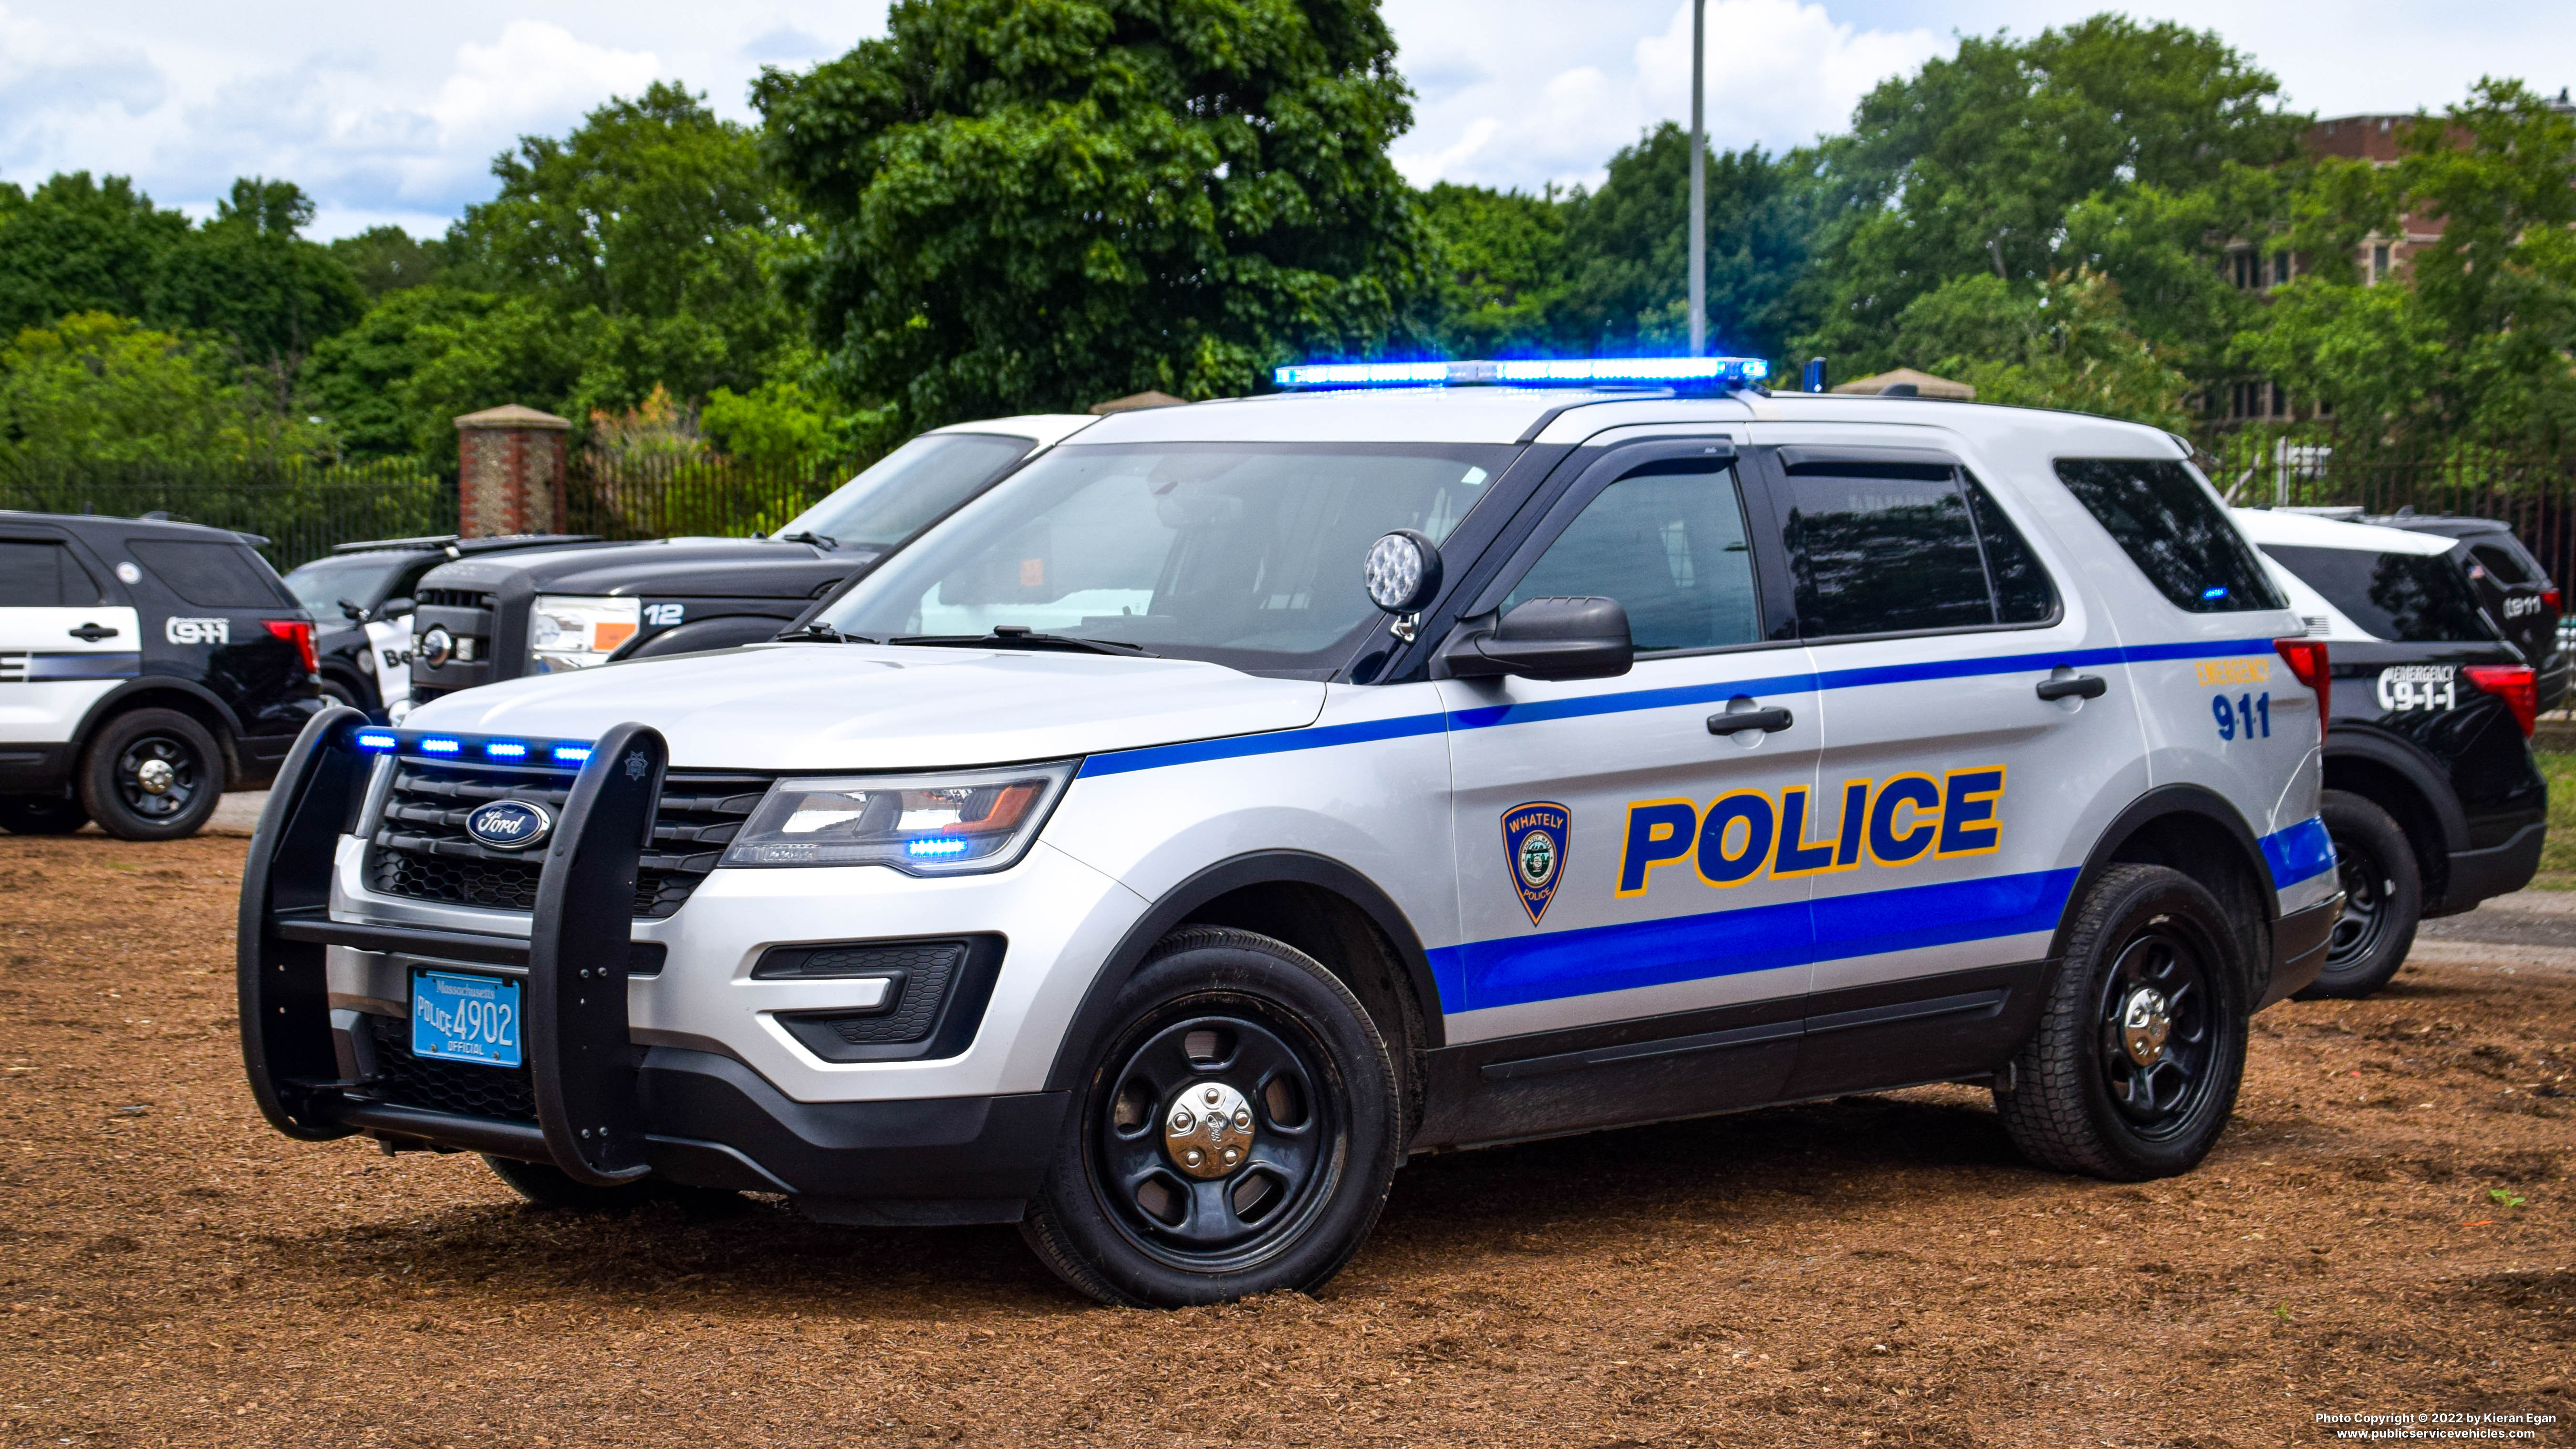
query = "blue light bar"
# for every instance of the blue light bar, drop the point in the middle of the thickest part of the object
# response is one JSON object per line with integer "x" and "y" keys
{"x": 505, "y": 750}
{"x": 1527, "y": 372}
{"x": 374, "y": 740}
{"x": 437, "y": 745}
{"x": 572, "y": 754}
{"x": 936, "y": 847}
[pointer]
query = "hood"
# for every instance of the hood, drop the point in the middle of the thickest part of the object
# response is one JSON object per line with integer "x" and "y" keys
{"x": 866, "y": 707}
{"x": 665, "y": 568}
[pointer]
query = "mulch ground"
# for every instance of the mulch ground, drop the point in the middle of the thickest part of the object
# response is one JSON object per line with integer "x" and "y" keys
{"x": 2384, "y": 1229}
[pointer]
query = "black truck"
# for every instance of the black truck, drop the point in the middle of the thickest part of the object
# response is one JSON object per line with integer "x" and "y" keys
{"x": 360, "y": 597}
{"x": 485, "y": 618}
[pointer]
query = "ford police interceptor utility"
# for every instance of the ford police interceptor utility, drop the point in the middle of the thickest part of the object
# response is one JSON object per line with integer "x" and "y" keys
{"x": 1104, "y": 862}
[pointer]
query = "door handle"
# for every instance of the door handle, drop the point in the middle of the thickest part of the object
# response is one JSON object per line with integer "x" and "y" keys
{"x": 92, "y": 633}
{"x": 1769, "y": 721}
{"x": 2082, "y": 686}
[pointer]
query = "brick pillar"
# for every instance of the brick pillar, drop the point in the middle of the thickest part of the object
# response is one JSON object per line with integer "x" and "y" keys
{"x": 510, "y": 472}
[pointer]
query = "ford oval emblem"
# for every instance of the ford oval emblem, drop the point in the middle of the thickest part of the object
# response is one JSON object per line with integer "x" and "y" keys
{"x": 509, "y": 824}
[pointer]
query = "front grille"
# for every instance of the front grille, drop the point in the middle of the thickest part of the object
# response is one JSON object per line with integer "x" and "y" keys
{"x": 453, "y": 599}
{"x": 420, "y": 849}
{"x": 476, "y": 1091}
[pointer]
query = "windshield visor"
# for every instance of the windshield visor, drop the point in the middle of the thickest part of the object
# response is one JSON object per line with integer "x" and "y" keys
{"x": 1245, "y": 554}
{"x": 904, "y": 491}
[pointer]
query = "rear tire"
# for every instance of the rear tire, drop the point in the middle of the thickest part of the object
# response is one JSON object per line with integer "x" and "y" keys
{"x": 2135, "y": 1064}
{"x": 1234, "y": 1133}
{"x": 2383, "y": 888}
{"x": 152, "y": 774}
{"x": 41, "y": 815}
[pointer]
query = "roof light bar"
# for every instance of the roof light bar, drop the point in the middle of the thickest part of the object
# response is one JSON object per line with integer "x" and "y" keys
{"x": 1542, "y": 372}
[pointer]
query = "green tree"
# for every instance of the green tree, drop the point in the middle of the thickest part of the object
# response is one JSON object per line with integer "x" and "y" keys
{"x": 78, "y": 245}
{"x": 1042, "y": 203}
{"x": 2473, "y": 338}
{"x": 1975, "y": 163}
{"x": 360, "y": 381}
{"x": 96, "y": 387}
{"x": 248, "y": 275}
{"x": 2065, "y": 343}
{"x": 387, "y": 259}
{"x": 1499, "y": 261}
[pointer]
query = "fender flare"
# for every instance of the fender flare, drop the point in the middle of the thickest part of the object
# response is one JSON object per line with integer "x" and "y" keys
{"x": 2350, "y": 742}
{"x": 114, "y": 700}
{"x": 2157, "y": 804}
{"x": 1263, "y": 867}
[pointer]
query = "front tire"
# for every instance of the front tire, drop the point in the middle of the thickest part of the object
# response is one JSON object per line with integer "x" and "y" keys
{"x": 41, "y": 815}
{"x": 548, "y": 1186}
{"x": 2135, "y": 1064}
{"x": 1235, "y": 1132}
{"x": 2383, "y": 898}
{"x": 152, "y": 774}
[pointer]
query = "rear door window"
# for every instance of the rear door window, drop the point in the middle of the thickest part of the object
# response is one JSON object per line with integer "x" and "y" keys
{"x": 2405, "y": 597}
{"x": 1892, "y": 548}
{"x": 2174, "y": 530}
{"x": 209, "y": 575}
{"x": 40, "y": 575}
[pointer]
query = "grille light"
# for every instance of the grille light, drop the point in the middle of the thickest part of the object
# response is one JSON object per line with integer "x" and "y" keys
{"x": 439, "y": 746}
{"x": 374, "y": 740}
{"x": 572, "y": 754}
{"x": 506, "y": 750}
{"x": 1542, "y": 372}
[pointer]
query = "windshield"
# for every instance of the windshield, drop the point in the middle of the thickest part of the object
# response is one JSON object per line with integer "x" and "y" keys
{"x": 1245, "y": 554}
{"x": 907, "y": 489}
{"x": 320, "y": 585}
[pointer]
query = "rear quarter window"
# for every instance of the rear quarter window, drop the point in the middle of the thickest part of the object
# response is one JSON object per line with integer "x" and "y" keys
{"x": 2411, "y": 598}
{"x": 2174, "y": 530}
{"x": 210, "y": 575}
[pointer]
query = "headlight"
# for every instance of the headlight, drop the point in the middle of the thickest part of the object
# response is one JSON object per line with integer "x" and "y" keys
{"x": 952, "y": 823}
{"x": 570, "y": 631}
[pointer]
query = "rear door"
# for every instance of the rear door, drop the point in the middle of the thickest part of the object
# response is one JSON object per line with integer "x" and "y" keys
{"x": 1979, "y": 735}
{"x": 1632, "y": 947}
{"x": 63, "y": 646}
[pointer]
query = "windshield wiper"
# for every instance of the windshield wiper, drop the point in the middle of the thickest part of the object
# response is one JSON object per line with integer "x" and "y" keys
{"x": 819, "y": 540}
{"x": 819, "y": 632}
{"x": 1020, "y": 636}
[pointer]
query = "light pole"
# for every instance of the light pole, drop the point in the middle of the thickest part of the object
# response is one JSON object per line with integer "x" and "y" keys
{"x": 1699, "y": 183}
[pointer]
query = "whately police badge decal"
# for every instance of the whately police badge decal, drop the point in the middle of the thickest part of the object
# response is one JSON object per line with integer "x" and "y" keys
{"x": 1534, "y": 843}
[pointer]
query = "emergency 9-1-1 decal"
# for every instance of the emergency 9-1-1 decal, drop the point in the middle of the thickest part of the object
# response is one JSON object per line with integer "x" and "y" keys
{"x": 1534, "y": 838}
{"x": 1747, "y": 834}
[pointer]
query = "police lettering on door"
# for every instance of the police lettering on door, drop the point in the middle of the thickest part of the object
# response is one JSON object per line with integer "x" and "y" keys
{"x": 1747, "y": 834}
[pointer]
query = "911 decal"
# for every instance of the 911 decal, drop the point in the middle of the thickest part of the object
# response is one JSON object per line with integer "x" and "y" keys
{"x": 2407, "y": 687}
{"x": 1743, "y": 835}
{"x": 197, "y": 631}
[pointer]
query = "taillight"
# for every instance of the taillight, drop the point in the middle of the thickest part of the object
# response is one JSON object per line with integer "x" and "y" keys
{"x": 2515, "y": 684}
{"x": 2307, "y": 660}
{"x": 300, "y": 634}
{"x": 2549, "y": 596}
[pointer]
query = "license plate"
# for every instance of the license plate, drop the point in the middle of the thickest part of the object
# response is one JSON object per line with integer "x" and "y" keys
{"x": 464, "y": 1018}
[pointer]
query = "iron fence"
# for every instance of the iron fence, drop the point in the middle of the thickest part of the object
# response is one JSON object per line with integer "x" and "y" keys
{"x": 2534, "y": 495}
{"x": 301, "y": 509}
{"x": 697, "y": 497}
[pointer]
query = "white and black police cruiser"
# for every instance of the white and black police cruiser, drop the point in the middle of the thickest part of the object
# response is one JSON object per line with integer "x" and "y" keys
{"x": 1104, "y": 862}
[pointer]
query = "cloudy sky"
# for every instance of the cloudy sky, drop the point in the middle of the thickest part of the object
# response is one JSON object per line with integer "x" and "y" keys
{"x": 392, "y": 113}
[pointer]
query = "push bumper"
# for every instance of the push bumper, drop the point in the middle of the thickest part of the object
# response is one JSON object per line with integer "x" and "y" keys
{"x": 605, "y": 1110}
{"x": 2299, "y": 942}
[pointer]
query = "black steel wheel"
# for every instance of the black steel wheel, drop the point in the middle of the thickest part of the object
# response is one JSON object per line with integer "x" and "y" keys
{"x": 1235, "y": 1135}
{"x": 2383, "y": 897}
{"x": 2134, "y": 1066}
{"x": 152, "y": 774}
{"x": 41, "y": 815}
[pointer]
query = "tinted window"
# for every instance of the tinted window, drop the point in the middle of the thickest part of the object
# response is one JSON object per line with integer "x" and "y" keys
{"x": 43, "y": 576}
{"x": 2023, "y": 594}
{"x": 320, "y": 585}
{"x": 2505, "y": 563}
{"x": 2407, "y": 597}
{"x": 2174, "y": 530}
{"x": 1883, "y": 548}
{"x": 1241, "y": 554}
{"x": 209, "y": 575}
{"x": 1670, "y": 548}
{"x": 903, "y": 491}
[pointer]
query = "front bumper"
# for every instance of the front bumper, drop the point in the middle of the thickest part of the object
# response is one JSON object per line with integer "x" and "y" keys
{"x": 681, "y": 1065}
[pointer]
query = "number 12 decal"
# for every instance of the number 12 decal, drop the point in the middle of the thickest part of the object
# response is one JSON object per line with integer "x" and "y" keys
{"x": 2250, "y": 712}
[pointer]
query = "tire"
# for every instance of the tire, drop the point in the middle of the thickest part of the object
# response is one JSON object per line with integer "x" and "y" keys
{"x": 547, "y": 1186}
{"x": 118, "y": 777}
{"x": 1125, "y": 1217}
{"x": 2383, "y": 890}
{"x": 2082, "y": 1099}
{"x": 340, "y": 691}
{"x": 41, "y": 815}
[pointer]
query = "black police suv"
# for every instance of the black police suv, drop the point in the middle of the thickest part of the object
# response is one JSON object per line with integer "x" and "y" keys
{"x": 360, "y": 597}
{"x": 542, "y": 611}
{"x": 2430, "y": 795}
{"x": 2512, "y": 586}
{"x": 145, "y": 668}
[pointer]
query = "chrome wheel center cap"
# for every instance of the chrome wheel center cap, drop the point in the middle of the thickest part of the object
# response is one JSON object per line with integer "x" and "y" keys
{"x": 1207, "y": 1129}
{"x": 155, "y": 776}
{"x": 2144, "y": 1023}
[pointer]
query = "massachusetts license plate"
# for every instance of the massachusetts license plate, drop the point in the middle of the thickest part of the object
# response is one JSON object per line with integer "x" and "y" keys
{"x": 459, "y": 1017}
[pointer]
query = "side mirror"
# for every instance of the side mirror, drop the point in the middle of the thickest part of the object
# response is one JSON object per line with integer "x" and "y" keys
{"x": 1551, "y": 638}
{"x": 353, "y": 611}
{"x": 395, "y": 608}
{"x": 1403, "y": 571}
